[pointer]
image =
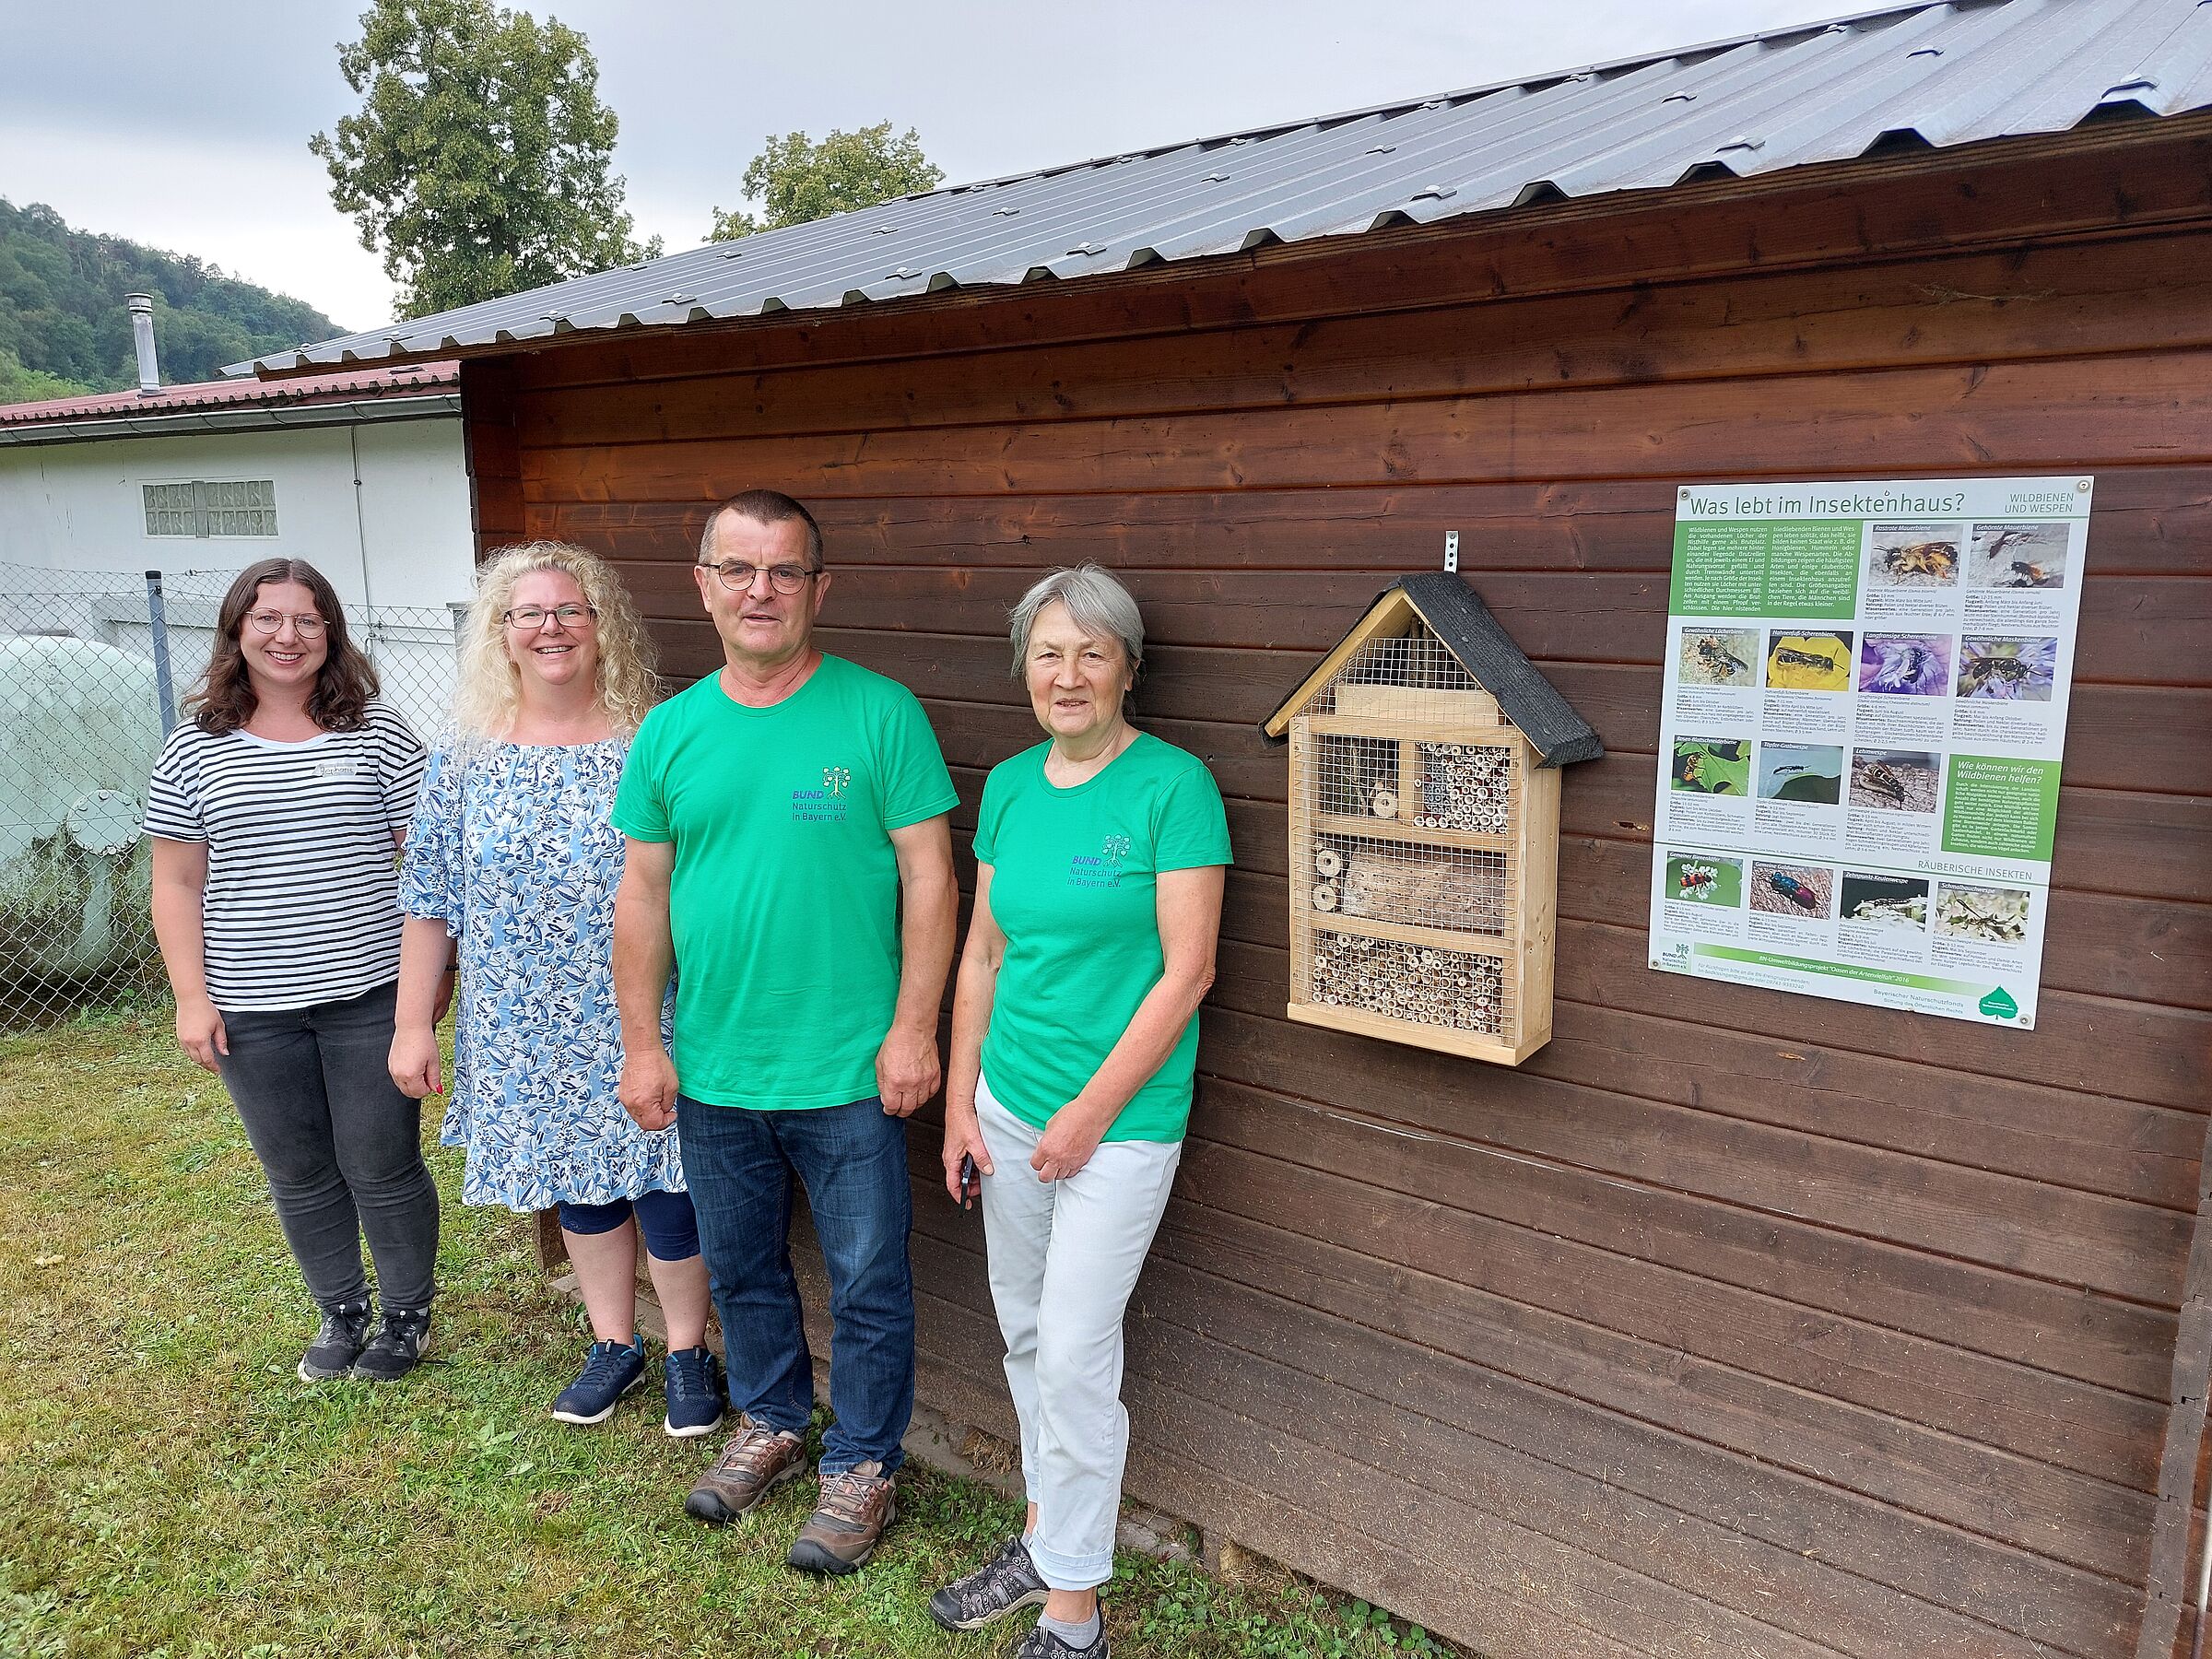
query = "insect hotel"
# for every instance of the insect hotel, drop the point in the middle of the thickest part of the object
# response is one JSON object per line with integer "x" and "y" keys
{"x": 1424, "y": 827}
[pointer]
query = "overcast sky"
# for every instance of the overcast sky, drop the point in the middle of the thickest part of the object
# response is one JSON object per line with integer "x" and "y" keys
{"x": 183, "y": 124}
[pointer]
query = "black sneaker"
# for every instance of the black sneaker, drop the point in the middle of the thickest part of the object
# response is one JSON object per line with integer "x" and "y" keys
{"x": 397, "y": 1345}
{"x": 1041, "y": 1643}
{"x": 1007, "y": 1580}
{"x": 337, "y": 1345}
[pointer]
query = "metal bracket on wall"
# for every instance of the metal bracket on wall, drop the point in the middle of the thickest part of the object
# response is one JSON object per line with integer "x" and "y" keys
{"x": 1451, "y": 551}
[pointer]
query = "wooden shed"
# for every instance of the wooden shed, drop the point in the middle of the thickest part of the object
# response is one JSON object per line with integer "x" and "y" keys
{"x": 1731, "y": 1323}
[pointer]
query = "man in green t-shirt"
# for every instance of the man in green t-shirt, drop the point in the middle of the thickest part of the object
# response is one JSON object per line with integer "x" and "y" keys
{"x": 789, "y": 859}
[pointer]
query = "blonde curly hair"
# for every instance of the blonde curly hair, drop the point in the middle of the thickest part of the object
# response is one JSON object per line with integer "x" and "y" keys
{"x": 486, "y": 700}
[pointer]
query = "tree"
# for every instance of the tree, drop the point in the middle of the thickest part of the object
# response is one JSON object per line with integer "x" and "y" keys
{"x": 795, "y": 182}
{"x": 19, "y": 385}
{"x": 479, "y": 163}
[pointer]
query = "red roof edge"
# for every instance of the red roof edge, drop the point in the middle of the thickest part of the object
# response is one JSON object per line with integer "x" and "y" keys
{"x": 353, "y": 386}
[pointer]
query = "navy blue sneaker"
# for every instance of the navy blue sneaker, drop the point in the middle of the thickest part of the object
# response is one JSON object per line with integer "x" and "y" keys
{"x": 693, "y": 1379}
{"x": 610, "y": 1371}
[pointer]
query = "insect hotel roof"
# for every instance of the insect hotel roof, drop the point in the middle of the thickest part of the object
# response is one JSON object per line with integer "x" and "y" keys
{"x": 1447, "y": 609}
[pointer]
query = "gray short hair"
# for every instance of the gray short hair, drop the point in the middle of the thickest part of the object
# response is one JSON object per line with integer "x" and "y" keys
{"x": 764, "y": 507}
{"x": 1095, "y": 598}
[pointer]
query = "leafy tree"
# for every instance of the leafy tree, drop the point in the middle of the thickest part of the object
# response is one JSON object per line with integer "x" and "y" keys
{"x": 62, "y": 312}
{"x": 795, "y": 182}
{"x": 19, "y": 385}
{"x": 480, "y": 160}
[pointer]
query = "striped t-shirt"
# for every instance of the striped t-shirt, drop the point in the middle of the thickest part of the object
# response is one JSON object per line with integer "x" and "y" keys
{"x": 301, "y": 904}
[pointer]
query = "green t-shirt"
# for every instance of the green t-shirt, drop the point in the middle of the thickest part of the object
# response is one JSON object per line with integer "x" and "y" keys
{"x": 1073, "y": 880}
{"x": 785, "y": 900}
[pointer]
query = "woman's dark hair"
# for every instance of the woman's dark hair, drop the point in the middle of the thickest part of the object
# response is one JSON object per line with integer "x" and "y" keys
{"x": 224, "y": 700}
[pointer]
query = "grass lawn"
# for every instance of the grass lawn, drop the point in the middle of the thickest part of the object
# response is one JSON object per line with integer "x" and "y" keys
{"x": 170, "y": 1490}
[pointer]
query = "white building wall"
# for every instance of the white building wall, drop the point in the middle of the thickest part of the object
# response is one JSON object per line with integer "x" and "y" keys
{"x": 404, "y": 538}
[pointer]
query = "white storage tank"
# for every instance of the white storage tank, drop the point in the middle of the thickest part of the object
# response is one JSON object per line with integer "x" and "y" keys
{"x": 80, "y": 726}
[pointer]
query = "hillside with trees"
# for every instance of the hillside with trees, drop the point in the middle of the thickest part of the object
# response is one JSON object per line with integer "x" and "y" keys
{"x": 64, "y": 329}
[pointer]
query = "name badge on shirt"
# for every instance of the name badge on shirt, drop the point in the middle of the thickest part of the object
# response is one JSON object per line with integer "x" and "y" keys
{"x": 333, "y": 769}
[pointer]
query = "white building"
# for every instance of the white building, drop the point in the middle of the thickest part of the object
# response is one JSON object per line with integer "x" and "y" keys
{"x": 362, "y": 474}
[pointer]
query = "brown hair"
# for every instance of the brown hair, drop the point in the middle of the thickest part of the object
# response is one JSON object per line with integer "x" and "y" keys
{"x": 224, "y": 700}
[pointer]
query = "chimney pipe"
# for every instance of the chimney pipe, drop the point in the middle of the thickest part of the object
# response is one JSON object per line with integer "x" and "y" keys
{"x": 142, "y": 336}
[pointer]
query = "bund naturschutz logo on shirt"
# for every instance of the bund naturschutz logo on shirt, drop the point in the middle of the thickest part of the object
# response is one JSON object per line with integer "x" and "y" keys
{"x": 1100, "y": 869}
{"x": 825, "y": 804}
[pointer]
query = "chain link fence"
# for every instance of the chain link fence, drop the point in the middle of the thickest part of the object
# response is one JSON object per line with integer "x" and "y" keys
{"x": 95, "y": 667}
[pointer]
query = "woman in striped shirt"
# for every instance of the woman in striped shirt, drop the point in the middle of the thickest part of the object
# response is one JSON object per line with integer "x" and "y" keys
{"x": 276, "y": 812}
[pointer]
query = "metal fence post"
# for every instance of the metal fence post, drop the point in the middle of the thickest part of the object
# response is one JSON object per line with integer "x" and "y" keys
{"x": 158, "y": 620}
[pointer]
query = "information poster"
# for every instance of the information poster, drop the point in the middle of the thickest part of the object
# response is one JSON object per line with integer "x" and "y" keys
{"x": 1863, "y": 714}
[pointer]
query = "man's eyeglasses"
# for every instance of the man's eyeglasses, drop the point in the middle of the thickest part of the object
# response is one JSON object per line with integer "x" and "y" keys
{"x": 531, "y": 617}
{"x": 268, "y": 622}
{"x": 738, "y": 576}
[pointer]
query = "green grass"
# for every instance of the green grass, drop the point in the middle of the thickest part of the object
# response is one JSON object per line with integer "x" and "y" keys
{"x": 172, "y": 1490}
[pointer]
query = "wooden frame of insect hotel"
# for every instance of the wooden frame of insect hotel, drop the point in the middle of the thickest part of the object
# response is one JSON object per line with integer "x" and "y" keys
{"x": 1424, "y": 827}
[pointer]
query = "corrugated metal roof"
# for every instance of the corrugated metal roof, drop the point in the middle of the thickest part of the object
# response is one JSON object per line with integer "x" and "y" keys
{"x": 352, "y": 385}
{"x": 1938, "y": 75}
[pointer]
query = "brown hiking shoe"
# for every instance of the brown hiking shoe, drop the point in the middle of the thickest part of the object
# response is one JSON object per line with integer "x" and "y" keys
{"x": 756, "y": 1460}
{"x": 841, "y": 1534}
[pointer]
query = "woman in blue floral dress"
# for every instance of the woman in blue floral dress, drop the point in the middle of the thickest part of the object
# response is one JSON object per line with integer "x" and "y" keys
{"x": 511, "y": 872}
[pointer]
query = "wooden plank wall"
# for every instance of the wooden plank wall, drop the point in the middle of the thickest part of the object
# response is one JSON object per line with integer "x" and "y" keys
{"x": 1735, "y": 1323}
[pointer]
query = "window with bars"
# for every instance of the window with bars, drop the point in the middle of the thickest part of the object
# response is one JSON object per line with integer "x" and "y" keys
{"x": 212, "y": 507}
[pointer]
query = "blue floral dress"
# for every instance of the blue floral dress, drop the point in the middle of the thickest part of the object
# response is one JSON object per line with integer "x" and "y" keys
{"x": 511, "y": 848}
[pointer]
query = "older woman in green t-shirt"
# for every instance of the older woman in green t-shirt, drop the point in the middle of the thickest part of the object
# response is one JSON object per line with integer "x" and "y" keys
{"x": 1099, "y": 859}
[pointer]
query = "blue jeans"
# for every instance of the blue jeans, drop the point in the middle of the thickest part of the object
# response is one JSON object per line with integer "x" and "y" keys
{"x": 739, "y": 1164}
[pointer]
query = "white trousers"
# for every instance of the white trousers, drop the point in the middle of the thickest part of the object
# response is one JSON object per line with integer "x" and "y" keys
{"x": 1064, "y": 1256}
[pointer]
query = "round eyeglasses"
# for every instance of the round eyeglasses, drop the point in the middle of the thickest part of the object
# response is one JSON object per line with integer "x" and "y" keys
{"x": 738, "y": 576}
{"x": 306, "y": 626}
{"x": 531, "y": 617}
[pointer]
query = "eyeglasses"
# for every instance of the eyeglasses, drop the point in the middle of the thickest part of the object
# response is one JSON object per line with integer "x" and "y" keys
{"x": 531, "y": 617}
{"x": 268, "y": 622}
{"x": 739, "y": 576}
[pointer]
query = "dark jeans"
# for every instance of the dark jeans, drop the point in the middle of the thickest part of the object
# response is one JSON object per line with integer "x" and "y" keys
{"x": 739, "y": 1165}
{"x": 342, "y": 1147}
